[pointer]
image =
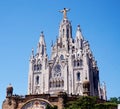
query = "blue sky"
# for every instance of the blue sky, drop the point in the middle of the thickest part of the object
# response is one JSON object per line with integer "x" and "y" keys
{"x": 21, "y": 22}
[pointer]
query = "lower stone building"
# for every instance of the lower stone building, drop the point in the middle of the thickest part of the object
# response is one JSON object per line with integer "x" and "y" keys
{"x": 36, "y": 101}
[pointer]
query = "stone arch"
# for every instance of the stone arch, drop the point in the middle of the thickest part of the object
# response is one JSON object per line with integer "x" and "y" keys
{"x": 36, "y": 99}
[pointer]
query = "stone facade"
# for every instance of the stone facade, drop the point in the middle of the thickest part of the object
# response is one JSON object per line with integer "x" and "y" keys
{"x": 71, "y": 71}
{"x": 36, "y": 101}
{"x": 71, "y": 68}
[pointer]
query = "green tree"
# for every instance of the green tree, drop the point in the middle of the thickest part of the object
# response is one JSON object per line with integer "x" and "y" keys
{"x": 115, "y": 100}
{"x": 89, "y": 102}
{"x": 86, "y": 102}
{"x": 118, "y": 100}
{"x": 106, "y": 105}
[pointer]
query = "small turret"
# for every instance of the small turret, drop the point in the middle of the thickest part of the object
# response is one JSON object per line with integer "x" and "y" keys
{"x": 78, "y": 33}
{"x": 79, "y": 38}
{"x": 104, "y": 91}
{"x": 9, "y": 90}
{"x": 42, "y": 40}
{"x": 41, "y": 50}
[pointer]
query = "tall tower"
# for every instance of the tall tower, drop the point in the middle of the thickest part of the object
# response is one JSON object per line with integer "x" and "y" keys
{"x": 37, "y": 68}
{"x": 58, "y": 63}
{"x": 71, "y": 68}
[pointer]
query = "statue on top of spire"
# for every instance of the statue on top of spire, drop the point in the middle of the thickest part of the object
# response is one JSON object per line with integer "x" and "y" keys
{"x": 64, "y": 11}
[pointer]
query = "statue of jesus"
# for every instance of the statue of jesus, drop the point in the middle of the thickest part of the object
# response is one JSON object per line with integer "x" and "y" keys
{"x": 64, "y": 11}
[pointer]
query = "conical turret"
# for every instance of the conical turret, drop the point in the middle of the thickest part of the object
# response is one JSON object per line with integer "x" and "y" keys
{"x": 65, "y": 31}
{"x": 41, "y": 50}
{"x": 42, "y": 40}
{"x": 79, "y": 33}
{"x": 79, "y": 38}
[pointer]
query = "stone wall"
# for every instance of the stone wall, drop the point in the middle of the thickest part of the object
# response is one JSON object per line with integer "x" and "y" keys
{"x": 17, "y": 102}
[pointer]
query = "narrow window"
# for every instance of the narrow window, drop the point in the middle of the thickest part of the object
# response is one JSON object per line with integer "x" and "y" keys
{"x": 42, "y": 49}
{"x": 37, "y": 80}
{"x": 61, "y": 57}
{"x": 38, "y": 67}
{"x": 35, "y": 67}
{"x": 63, "y": 32}
{"x": 78, "y": 76}
{"x": 62, "y": 83}
{"x": 78, "y": 64}
{"x": 67, "y": 33}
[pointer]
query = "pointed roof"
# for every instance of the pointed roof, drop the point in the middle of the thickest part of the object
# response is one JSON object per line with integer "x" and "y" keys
{"x": 79, "y": 33}
{"x": 64, "y": 19}
{"x": 42, "y": 40}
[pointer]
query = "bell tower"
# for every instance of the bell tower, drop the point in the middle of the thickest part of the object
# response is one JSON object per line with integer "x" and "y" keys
{"x": 37, "y": 68}
{"x": 65, "y": 30}
{"x": 71, "y": 67}
{"x": 41, "y": 49}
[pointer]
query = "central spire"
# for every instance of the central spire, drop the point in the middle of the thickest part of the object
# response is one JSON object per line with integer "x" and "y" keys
{"x": 65, "y": 30}
{"x": 64, "y": 11}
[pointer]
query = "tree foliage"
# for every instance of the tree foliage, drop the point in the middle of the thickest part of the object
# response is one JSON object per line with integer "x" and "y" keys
{"x": 82, "y": 103}
{"x": 51, "y": 107}
{"x": 89, "y": 102}
{"x": 107, "y": 105}
{"x": 115, "y": 100}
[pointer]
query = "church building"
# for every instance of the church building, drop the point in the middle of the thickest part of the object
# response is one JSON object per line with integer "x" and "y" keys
{"x": 71, "y": 70}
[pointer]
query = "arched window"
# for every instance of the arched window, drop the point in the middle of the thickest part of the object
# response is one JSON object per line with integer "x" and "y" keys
{"x": 78, "y": 76}
{"x": 61, "y": 57}
{"x": 78, "y": 63}
{"x": 39, "y": 67}
{"x": 35, "y": 67}
{"x": 37, "y": 80}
